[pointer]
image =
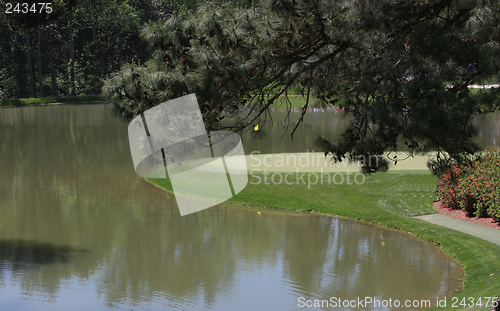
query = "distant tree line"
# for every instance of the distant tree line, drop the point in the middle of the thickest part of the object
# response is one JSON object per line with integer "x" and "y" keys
{"x": 72, "y": 49}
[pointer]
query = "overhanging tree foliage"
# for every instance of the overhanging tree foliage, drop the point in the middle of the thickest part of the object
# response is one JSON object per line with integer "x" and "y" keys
{"x": 400, "y": 68}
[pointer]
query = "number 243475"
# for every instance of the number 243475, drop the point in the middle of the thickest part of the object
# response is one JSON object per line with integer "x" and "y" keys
{"x": 17, "y": 8}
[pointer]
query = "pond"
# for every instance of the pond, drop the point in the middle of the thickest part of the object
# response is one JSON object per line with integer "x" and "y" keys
{"x": 274, "y": 136}
{"x": 81, "y": 231}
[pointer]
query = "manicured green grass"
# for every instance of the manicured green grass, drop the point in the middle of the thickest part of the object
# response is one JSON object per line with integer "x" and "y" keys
{"x": 48, "y": 100}
{"x": 389, "y": 199}
{"x": 296, "y": 102}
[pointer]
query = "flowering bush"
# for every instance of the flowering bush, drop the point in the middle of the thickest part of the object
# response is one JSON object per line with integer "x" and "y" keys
{"x": 473, "y": 187}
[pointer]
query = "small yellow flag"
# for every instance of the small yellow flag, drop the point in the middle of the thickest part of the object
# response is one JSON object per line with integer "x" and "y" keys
{"x": 256, "y": 128}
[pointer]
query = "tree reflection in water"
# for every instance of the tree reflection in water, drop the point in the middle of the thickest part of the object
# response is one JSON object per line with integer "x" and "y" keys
{"x": 24, "y": 253}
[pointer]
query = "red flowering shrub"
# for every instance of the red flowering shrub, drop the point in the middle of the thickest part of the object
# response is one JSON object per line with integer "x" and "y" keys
{"x": 474, "y": 187}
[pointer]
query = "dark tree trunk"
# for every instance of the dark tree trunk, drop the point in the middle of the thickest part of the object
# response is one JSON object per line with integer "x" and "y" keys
{"x": 94, "y": 37}
{"x": 52, "y": 72}
{"x": 30, "y": 65}
{"x": 71, "y": 53}
{"x": 40, "y": 81}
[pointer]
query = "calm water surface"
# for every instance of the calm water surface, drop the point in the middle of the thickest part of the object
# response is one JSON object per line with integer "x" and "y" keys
{"x": 81, "y": 231}
{"x": 275, "y": 136}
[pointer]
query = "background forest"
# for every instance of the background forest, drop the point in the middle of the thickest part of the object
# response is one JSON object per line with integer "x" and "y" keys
{"x": 74, "y": 48}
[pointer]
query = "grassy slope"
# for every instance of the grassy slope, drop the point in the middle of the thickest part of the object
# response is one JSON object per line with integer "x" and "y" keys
{"x": 48, "y": 100}
{"x": 296, "y": 101}
{"x": 389, "y": 199}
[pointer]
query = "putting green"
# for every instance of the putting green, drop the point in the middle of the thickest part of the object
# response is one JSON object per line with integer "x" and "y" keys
{"x": 317, "y": 162}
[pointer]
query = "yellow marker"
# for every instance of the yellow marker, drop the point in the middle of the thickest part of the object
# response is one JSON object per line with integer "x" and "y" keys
{"x": 258, "y": 213}
{"x": 256, "y": 128}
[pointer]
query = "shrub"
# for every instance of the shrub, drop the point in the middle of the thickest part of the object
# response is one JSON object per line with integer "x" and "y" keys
{"x": 473, "y": 187}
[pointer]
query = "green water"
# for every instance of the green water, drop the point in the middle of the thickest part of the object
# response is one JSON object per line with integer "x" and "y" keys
{"x": 79, "y": 230}
{"x": 274, "y": 136}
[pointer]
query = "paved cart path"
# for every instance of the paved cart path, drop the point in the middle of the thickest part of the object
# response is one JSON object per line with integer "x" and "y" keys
{"x": 485, "y": 233}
